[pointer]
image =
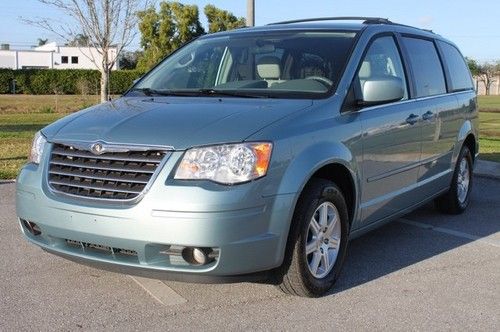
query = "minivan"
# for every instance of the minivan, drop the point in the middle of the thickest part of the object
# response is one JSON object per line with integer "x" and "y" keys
{"x": 258, "y": 153}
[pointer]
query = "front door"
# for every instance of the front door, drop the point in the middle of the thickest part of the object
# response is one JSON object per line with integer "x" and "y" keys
{"x": 391, "y": 138}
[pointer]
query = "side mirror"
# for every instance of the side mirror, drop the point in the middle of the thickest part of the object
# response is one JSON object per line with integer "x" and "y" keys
{"x": 379, "y": 90}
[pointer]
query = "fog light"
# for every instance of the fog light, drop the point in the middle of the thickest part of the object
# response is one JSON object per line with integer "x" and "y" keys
{"x": 197, "y": 256}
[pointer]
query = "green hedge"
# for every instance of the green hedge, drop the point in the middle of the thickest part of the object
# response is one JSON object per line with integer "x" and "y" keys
{"x": 63, "y": 81}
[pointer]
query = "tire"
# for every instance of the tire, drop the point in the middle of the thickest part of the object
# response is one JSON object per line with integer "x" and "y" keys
{"x": 457, "y": 198}
{"x": 301, "y": 274}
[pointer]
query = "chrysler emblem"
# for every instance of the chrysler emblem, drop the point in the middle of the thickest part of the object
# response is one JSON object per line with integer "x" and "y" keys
{"x": 97, "y": 148}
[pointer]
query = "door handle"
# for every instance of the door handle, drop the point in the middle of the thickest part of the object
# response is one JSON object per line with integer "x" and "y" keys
{"x": 412, "y": 119}
{"x": 428, "y": 115}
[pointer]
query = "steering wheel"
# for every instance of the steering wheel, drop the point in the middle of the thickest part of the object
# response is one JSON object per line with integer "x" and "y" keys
{"x": 326, "y": 82}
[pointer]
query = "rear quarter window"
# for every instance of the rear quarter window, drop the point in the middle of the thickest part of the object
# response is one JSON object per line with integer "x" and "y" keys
{"x": 426, "y": 66}
{"x": 457, "y": 68}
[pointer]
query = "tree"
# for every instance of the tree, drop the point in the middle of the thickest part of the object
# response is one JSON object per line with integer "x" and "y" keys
{"x": 164, "y": 31}
{"x": 222, "y": 20}
{"x": 107, "y": 24}
{"x": 485, "y": 72}
{"x": 42, "y": 41}
{"x": 474, "y": 67}
{"x": 128, "y": 60}
{"x": 174, "y": 24}
{"x": 79, "y": 40}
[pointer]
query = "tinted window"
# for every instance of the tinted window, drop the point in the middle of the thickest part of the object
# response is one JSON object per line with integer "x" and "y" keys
{"x": 382, "y": 60}
{"x": 459, "y": 72}
{"x": 64, "y": 59}
{"x": 426, "y": 67}
{"x": 74, "y": 59}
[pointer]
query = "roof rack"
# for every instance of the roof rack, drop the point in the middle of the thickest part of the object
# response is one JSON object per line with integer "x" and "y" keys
{"x": 366, "y": 20}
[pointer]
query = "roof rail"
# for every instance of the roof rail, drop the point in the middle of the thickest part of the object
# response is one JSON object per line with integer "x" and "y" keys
{"x": 366, "y": 20}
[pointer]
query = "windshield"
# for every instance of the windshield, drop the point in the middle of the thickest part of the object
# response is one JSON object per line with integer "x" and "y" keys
{"x": 271, "y": 64}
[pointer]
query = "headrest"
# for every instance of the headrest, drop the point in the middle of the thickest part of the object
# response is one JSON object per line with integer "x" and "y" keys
{"x": 268, "y": 67}
{"x": 366, "y": 70}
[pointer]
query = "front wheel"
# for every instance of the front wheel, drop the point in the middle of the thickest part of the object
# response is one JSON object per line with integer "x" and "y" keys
{"x": 317, "y": 241}
{"x": 456, "y": 200}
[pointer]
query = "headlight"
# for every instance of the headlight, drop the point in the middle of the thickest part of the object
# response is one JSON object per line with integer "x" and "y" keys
{"x": 227, "y": 164}
{"x": 37, "y": 148}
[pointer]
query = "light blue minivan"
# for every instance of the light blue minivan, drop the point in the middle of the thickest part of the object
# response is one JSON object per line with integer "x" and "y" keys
{"x": 258, "y": 153}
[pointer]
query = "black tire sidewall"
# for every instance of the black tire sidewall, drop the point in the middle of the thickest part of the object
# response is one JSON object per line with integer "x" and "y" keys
{"x": 324, "y": 192}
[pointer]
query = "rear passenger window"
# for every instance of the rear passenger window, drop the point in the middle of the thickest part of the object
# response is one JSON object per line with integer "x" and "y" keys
{"x": 459, "y": 72}
{"x": 426, "y": 67}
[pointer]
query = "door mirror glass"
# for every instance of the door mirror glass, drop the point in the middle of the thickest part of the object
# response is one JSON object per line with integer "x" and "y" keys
{"x": 382, "y": 90}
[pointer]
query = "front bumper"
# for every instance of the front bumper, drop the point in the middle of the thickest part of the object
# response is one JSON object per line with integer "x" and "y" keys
{"x": 247, "y": 231}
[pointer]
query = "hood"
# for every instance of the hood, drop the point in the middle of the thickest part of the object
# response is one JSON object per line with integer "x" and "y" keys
{"x": 179, "y": 122}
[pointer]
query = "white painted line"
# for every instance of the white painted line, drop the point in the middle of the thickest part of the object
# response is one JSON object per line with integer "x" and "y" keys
{"x": 159, "y": 291}
{"x": 451, "y": 232}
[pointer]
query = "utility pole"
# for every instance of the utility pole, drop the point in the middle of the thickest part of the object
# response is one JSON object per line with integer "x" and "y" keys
{"x": 250, "y": 13}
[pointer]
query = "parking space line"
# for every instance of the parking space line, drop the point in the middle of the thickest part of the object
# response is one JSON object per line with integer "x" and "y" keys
{"x": 450, "y": 232}
{"x": 159, "y": 291}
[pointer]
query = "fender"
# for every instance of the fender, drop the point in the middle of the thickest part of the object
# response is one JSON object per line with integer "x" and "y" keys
{"x": 466, "y": 129}
{"x": 308, "y": 161}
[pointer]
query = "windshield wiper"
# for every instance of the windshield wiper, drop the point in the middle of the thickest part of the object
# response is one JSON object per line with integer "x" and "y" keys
{"x": 153, "y": 92}
{"x": 199, "y": 92}
{"x": 231, "y": 93}
{"x": 148, "y": 91}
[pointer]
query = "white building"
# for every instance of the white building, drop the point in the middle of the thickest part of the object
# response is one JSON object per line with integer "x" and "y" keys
{"x": 54, "y": 57}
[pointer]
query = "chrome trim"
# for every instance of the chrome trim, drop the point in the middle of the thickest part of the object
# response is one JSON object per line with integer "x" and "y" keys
{"x": 112, "y": 147}
{"x": 107, "y": 201}
{"x": 62, "y": 183}
{"x": 96, "y": 177}
{"x": 106, "y": 168}
{"x": 76, "y": 154}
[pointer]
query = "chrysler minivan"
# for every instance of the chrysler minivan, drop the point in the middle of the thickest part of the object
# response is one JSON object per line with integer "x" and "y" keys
{"x": 258, "y": 153}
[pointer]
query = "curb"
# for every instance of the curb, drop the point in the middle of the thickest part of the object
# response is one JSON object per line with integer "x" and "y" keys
{"x": 487, "y": 169}
{"x": 7, "y": 181}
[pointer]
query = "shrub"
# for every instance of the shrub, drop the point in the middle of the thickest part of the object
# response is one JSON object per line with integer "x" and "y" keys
{"x": 6, "y": 76}
{"x": 63, "y": 81}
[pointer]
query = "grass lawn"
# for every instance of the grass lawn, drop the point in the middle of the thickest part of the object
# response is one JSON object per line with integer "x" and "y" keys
{"x": 489, "y": 128}
{"x": 489, "y": 103}
{"x": 22, "y": 115}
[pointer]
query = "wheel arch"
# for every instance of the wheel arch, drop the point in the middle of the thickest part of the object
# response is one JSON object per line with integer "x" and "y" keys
{"x": 326, "y": 160}
{"x": 466, "y": 136}
{"x": 340, "y": 175}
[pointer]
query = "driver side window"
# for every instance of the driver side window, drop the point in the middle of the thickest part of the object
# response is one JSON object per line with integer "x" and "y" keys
{"x": 381, "y": 61}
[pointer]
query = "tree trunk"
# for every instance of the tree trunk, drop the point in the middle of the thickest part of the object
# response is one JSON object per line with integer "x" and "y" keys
{"x": 104, "y": 85}
{"x": 498, "y": 85}
{"x": 105, "y": 75}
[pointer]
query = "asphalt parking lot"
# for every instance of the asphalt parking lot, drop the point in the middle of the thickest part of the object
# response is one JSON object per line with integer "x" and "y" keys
{"x": 425, "y": 271}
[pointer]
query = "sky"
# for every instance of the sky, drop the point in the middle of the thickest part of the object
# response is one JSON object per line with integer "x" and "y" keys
{"x": 473, "y": 25}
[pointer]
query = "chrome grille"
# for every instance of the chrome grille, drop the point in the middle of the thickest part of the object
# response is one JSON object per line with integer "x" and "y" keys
{"x": 111, "y": 175}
